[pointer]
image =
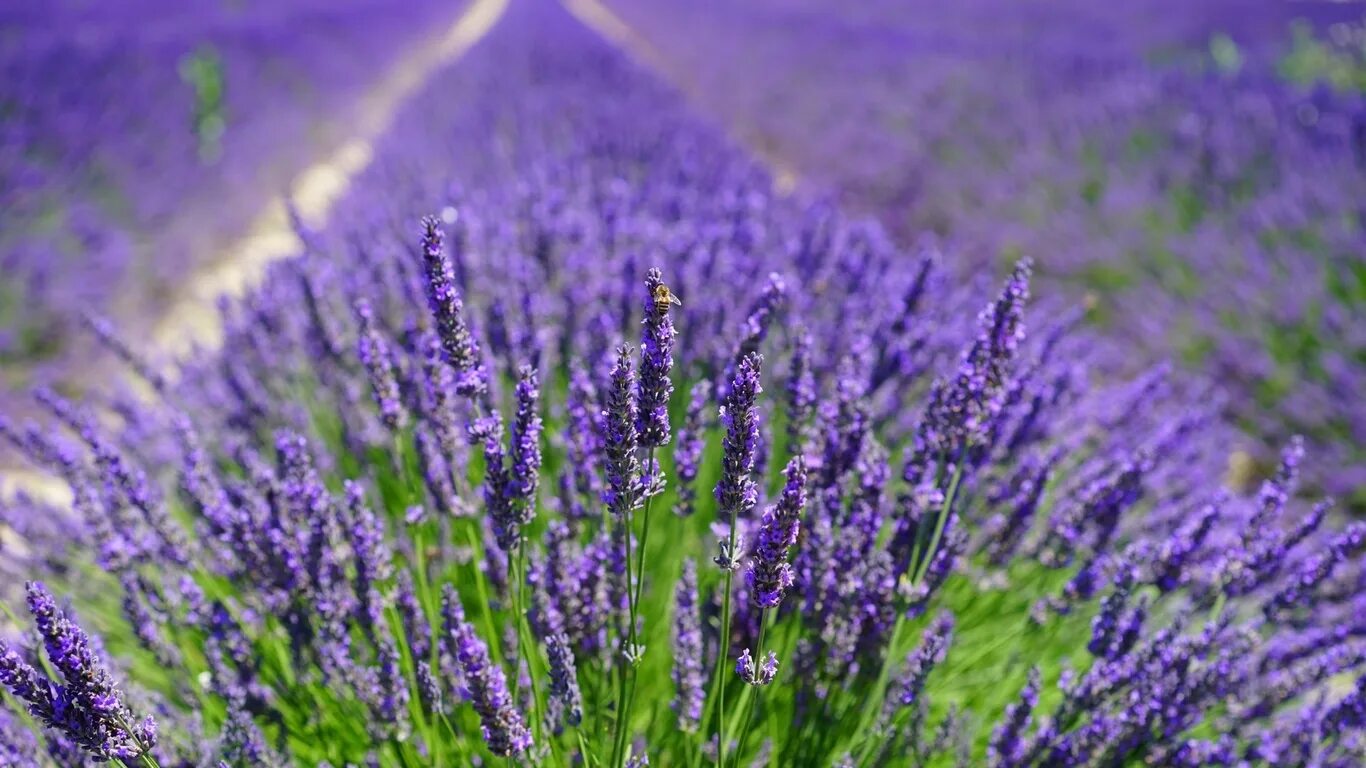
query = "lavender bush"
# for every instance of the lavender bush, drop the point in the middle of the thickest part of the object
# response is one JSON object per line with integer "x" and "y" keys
{"x": 619, "y": 458}
{"x": 1193, "y": 170}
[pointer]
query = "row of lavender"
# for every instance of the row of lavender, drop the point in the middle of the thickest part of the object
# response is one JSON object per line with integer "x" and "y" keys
{"x": 430, "y": 506}
{"x": 138, "y": 138}
{"x": 1177, "y": 161}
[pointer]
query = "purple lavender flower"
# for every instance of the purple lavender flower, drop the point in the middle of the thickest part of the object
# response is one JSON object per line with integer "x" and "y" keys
{"x": 845, "y": 423}
{"x": 242, "y": 743}
{"x": 1315, "y": 571}
{"x": 148, "y": 624}
{"x": 389, "y": 699}
{"x": 688, "y": 450}
{"x": 769, "y": 573}
{"x": 523, "y": 478}
{"x": 375, "y": 354}
{"x": 543, "y": 612}
{"x": 370, "y": 551}
{"x": 620, "y": 439}
{"x": 104, "y": 331}
{"x": 962, "y": 409}
{"x": 761, "y": 316}
{"x": 462, "y": 349}
{"x": 87, "y": 707}
{"x": 416, "y": 628}
{"x": 688, "y": 676}
{"x": 125, "y": 477}
{"x": 564, "y": 681}
{"x": 1006, "y": 748}
{"x": 437, "y": 475}
{"x": 18, "y": 746}
{"x": 656, "y": 362}
{"x": 504, "y": 729}
{"x": 800, "y": 390}
{"x": 439, "y": 383}
{"x": 909, "y": 685}
{"x": 736, "y": 493}
{"x": 1108, "y": 638}
{"x": 763, "y": 674}
{"x": 429, "y": 689}
{"x": 497, "y": 498}
{"x": 28, "y": 686}
{"x": 584, "y": 435}
{"x": 1176, "y": 553}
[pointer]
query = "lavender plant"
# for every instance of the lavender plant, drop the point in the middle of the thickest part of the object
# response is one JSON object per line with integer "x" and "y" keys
{"x": 1192, "y": 173}
{"x": 413, "y": 512}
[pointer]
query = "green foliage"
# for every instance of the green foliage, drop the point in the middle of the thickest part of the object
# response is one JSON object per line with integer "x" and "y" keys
{"x": 1339, "y": 60}
{"x": 202, "y": 70}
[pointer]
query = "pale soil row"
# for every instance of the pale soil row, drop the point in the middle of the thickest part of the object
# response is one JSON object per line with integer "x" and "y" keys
{"x": 192, "y": 321}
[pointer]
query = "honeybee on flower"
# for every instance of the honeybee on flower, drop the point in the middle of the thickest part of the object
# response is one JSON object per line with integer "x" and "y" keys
{"x": 663, "y": 297}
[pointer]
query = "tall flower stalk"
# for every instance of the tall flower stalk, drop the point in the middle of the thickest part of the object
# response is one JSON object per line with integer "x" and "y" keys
{"x": 736, "y": 496}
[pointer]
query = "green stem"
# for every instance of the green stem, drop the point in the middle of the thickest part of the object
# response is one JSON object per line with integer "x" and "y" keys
{"x": 517, "y": 619}
{"x": 944, "y": 511}
{"x": 1218, "y": 608}
{"x": 748, "y": 719}
{"x": 721, "y": 660}
{"x": 633, "y": 598}
{"x": 880, "y": 687}
{"x": 144, "y": 751}
{"x": 525, "y": 638}
{"x": 618, "y": 727}
{"x": 627, "y": 689}
{"x": 476, "y": 555}
{"x": 588, "y": 758}
{"x": 644, "y": 534}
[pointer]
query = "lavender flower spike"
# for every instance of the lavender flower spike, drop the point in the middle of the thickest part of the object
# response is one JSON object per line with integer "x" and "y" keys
{"x": 736, "y": 493}
{"x": 18, "y": 745}
{"x": 763, "y": 674}
{"x": 504, "y": 730}
{"x": 933, "y": 648}
{"x": 564, "y": 681}
{"x": 462, "y": 349}
{"x": 656, "y": 361}
{"x": 1006, "y": 748}
{"x": 489, "y": 432}
{"x": 375, "y": 354}
{"x": 21, "y": 679}
{"x": 769, "y": 573}
{"x": 88, "y": 708}
{"x": 801, "y": 391}
{"x": 688, "y": 676}
{"x": 524, "y": 474}
{"x": 620, "y": 438}
{"x": 688, "y": 450}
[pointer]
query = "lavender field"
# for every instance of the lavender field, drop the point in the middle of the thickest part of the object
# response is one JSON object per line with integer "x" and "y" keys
{"x": 631, "y": 382}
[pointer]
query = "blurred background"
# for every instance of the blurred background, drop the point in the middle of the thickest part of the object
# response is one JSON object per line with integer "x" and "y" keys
{"x": 1194, "y": 172}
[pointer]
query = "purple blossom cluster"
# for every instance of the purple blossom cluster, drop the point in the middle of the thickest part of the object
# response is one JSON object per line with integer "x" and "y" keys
{"x": 1197, "y": 167}
{"x": 403, "y": 515}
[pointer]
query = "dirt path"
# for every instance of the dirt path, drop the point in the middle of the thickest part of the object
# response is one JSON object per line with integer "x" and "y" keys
{"x": 193, "y": 319}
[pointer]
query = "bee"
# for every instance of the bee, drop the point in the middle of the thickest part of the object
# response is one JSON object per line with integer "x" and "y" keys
{"x": 663, "y": 297}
